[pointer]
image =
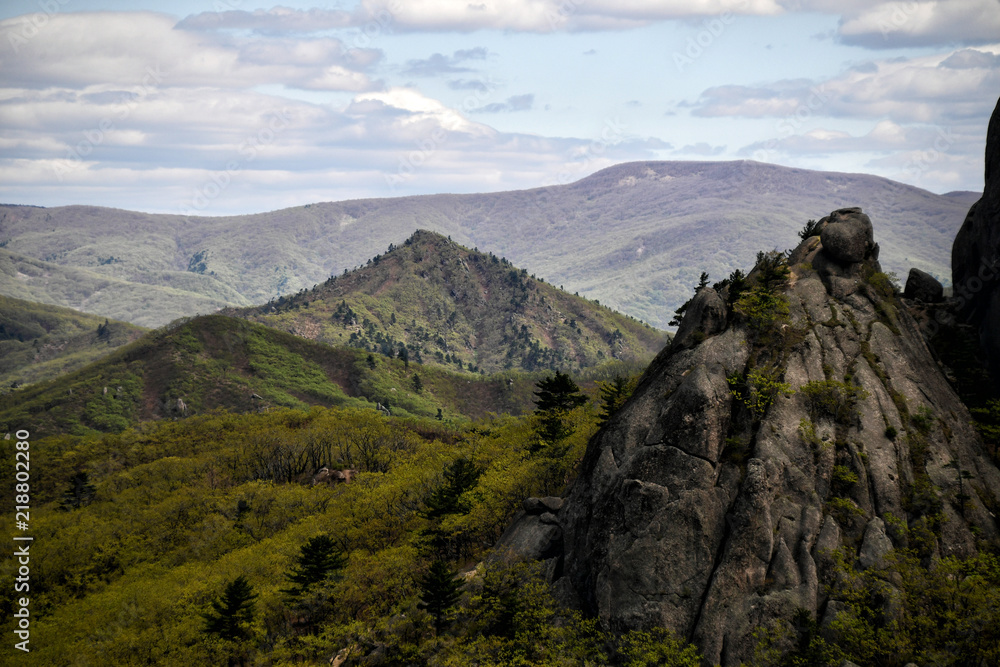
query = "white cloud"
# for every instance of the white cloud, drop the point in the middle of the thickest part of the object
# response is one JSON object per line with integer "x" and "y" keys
{"x": 927, "y": 89}
{"x": 922, "y": 23}
{"x": 122, "y": 48}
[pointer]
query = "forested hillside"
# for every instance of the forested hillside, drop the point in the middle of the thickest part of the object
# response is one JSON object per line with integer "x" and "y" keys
{"x": 432, "y": 301}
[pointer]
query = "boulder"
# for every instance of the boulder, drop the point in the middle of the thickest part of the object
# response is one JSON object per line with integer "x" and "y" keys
{"x": 705, "y": 316}
{"x": 847, "y": 235}
{"x": 923, "y": 286}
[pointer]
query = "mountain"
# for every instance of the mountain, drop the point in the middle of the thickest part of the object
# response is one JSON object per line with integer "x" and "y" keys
{"x": 634, "y": 236}
{"x": 441, "y": 303}
{"x": 214, "y": 362}
{"x": 39, "y": 342}
{"x": 794, "y": 475}
{"x": 92, "y": 291}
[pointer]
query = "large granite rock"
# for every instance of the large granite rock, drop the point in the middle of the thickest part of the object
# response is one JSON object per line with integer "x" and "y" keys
{"x": 684, "y": 517}
{"x": 923, "y": 286}
{"x": 975, "y": 256}
{"x": 847, "y": 235}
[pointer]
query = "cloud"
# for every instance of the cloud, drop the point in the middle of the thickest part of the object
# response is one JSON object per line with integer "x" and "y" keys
{"x": 874, "y": 24}
{"x": 276, "y": 20}
{"x": 442, "y": 64}
{"x": 121, "y": 48}
{"x": 922, "y": 23}
{"x": 701, "y": 148}
{"x": 513, "y": 103}
{"x": 944, "y": 88}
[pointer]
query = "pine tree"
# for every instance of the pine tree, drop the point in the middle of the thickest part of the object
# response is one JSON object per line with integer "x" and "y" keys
{"x": 613, "y": 396}
{"x": 459, "y": 476}
{"x": 439, "y": 592}
{"x": 418, "y": 385}
{"x": 555, "y": 397}
{"x": 232, "y": 614}
{"x": 79, "y": 493}
{"x": 318, "y": 559}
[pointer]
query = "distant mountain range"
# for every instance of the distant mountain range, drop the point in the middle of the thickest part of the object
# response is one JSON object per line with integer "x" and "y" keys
{"x": 634, "y": 236}
{"x": 39, "y": 342}
{"x": 436, "y": 302}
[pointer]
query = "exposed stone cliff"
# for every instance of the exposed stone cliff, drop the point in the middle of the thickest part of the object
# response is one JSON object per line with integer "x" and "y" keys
{"x": 795, "y": 414}
{"x": 975, "y": 256}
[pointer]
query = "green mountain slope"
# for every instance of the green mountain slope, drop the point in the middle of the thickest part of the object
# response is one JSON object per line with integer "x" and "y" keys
{"x": 39, "y": 342}
{"x": 215, "y": 362}
{"x": 434, "y": 301}
{"x": 148, "y": 299}
{"x": 635, "y": 236}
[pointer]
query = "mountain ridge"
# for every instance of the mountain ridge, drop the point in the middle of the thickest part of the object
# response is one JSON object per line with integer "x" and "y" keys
{"x": 625, "y": 235}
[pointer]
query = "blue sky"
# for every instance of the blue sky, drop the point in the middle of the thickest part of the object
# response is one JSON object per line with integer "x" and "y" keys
{"x": 230, "y": 106}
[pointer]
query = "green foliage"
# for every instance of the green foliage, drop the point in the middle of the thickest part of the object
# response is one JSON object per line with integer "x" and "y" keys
{"x": 658, "y": 647}
{"x": 319, "y": 559}
{"x": 772, "y": 269}
{"x": 459, "y": 476}
{"x": 758, "y": 389}
{"x": 556, "y": 396}
{"x": 944, "y": 613}
{"x": 231, "y": 615}
{"x": 613, "y": 395}
{"x": 923, "y": 419}
{"x": 79, "y": 494}
{"x": 885, "y": 285}
{"x": 811, "y": 228}
{"x": 842, "y": 478}
{"x": 440, "y": 590}
{"x": 832, "y": 398}
{"x": 764, "y": 312}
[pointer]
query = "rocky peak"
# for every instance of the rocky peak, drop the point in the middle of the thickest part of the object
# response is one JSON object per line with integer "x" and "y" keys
{"x": 975, "y": 256}
{"x": 799, "y": 417}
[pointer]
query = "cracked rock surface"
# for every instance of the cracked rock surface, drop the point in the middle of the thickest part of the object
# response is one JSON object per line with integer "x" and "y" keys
{"x": 673, "y": 523}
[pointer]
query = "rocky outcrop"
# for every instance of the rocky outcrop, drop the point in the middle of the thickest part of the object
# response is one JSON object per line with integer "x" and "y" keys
{"x": 922, "y": 286}
{"x": 701, "y": 509}
{"x": 975, "y": 256}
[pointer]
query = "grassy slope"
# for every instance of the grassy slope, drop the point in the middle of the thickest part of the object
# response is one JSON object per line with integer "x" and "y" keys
{"x": 39, "y": 342}
{"x": 635, "y": 236}
{"x": 215, "y": 362}
{"x": 452, "y": 305}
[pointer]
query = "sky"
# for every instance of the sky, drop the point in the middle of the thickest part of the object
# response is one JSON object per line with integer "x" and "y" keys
{"x": 218, "y": 107}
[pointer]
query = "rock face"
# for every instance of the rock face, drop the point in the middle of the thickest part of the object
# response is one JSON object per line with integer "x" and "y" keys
{"x": 975, "y": 256}
{"x": 923, "y": 286}
{"x": 697, "y": 510}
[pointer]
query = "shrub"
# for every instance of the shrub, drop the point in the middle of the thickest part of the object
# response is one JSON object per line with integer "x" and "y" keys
{"x": 758, "y": 390}
{"x": 832, "y": 398}
{"x": 811, "y": 229}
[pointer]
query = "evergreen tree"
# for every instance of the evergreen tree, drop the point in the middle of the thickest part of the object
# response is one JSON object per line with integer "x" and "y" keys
{"x": 459, "y": 476}
{"x": 439, "y": 592}
{"x": 319, "y": 558}
{"x": 613, "y": 396}
{"x": 555, "y": 397}
{"x": 80, "y": 492}
{"x": 418, "y": 385}
{"x": 232, "y": 614}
